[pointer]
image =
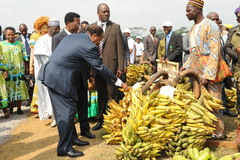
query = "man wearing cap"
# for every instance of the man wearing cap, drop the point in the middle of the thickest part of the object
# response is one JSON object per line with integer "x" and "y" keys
{"x": 204, "y": 40}
{"x": 173, "y": 44}
{"x": 42, "y": 52}
{"x": 151, "y": 46}
{"x": 139, "y": 49}
{"x": 131, "y": 45}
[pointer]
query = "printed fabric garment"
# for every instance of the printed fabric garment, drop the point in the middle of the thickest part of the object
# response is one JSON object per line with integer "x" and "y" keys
{"x": 12, "y": 57}
{"x": 205, "y": 51}
{"x": 3, "y": 92}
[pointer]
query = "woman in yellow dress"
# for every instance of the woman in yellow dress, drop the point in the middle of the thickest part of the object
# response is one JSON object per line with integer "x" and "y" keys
{"x": 41, "y": 28}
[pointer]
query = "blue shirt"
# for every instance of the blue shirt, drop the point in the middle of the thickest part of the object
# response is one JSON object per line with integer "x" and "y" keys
{"x": 168, "y": 36}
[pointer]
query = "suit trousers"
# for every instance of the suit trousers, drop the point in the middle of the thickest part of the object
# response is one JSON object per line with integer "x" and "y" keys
{"x": 64, "y": 110}
{"x": 105, "y": 92}
{"x": 82, "y": 107}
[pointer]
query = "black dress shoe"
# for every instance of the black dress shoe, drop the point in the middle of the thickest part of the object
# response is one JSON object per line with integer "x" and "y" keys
{"x": 19, "y": 111}
{"x": 98, "y": 126}
{"x": 88, "y": 135}
{"x": 230, "y": 113}
{"x": 78, "y": 142}
{"x": 71, "y": 153}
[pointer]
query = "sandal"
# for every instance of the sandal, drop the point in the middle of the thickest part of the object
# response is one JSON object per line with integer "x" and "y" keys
{"x": 6, "y": 113}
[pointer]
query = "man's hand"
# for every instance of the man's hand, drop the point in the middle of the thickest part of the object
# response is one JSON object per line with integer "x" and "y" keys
{"x": 204, "y": 81}
{"x": 150, "y": 59}
{"x": 125, "y": 87}
{"x": 119, "y": 73}
{"x": 182, "y": 69}
{"x": 5, "y": 74}
{"x": 166, "y": 60}
{"x": 161, "y": 59}
{"x": 91, "y": 80}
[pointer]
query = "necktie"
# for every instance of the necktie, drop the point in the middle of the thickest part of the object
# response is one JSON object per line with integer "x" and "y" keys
{"x": 28, "y": 49}
{"x": 100, "y": 46}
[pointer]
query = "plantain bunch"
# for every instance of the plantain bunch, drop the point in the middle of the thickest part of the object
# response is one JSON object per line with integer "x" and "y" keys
{"x": 117, "y": 115}
{"x": 153, "y": 121}
{"x": 231, "y": 95}
{"x": 195, "y": 154}
{"x": 135, "y": 73}
{"x": 199, "y": 124}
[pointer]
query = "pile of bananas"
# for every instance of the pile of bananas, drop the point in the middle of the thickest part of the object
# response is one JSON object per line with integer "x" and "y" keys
{"x": 231, "y": 95}
{"x": 199, "y": 124}
{"x": 135, "y": 73}
{"x": 195, "y": 154}
{"x": 152, "y": 124}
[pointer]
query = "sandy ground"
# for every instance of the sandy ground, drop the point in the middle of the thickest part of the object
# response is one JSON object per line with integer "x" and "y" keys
{"x": 36, "y": 140}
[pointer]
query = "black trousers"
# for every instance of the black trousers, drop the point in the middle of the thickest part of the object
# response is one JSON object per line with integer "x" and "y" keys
{"x": 64, "y": 110}
{"x": 82, "y": 107}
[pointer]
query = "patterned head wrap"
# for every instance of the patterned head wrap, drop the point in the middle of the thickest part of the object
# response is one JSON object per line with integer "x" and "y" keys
{"x": 237, "y": 12}
{"x": 40, "y": 22}
{"x": 197, "y": 3}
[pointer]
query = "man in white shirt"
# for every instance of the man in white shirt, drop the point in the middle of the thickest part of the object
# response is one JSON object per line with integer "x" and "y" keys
{"x": 131, "y": 45}
{"x": 139, "y": 49}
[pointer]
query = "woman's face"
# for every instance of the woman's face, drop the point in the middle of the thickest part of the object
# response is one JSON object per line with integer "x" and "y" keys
{"x": 10, "y": 36}
{"x": 44, "y": 29}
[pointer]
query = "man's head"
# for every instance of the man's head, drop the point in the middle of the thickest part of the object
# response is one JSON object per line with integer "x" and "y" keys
{"x": 194, "y": 9}
{"x": 153, "y": 30}
{"x": 95, "y": 32}
{"x": 23, "y": 29}
{"x": 84, "y": 25}
{"x": 167, "y": 27}
{"x": 103, "y": 12}
{"x": 72, "y": 21}
{"x": 237, "y": 13}
{"x": 53, "y": 26}
{"x": 0, "y": 30}
{"x": 138, "y": 39}
{"x": 127, "y": 32}
{"x": 214, "y": 17}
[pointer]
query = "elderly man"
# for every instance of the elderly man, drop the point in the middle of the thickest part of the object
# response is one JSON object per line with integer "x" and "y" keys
{"x": 61, "y": 74}
{"x": 42, "y": 52}
{"x": 204, "y": 39}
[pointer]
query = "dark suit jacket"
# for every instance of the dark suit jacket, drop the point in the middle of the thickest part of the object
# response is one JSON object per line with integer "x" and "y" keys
{"x": 126, "y": 50}
{"x": 19, "y": 38}
{"x": 175, "y": 48}
{"x": 57, "y": 39}
{"x": 63, "y": 70}
{"x": 150, "y": 49}
{"x": 113, "y": 52}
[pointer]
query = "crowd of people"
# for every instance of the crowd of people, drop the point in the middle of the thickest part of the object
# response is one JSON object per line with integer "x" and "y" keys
{"x": 50, "y": 69}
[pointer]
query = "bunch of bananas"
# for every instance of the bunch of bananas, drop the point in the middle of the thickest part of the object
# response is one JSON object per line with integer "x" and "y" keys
{"x": 153, "y": 121}
{"x": 198, "y": 125}
{"x": 135, "y": 73}
{"x": 235, "y": 156}
{"x": 195, "y": 154}
{"x": 210, "y": 102}
{"x": 117, "y": 115}
{"x": 231, "y": 95}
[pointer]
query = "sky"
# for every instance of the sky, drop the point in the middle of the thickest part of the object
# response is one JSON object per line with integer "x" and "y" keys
{"x": 127, "y": 13}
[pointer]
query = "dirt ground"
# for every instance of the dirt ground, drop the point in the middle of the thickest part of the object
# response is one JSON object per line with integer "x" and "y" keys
{"x": 36, "y": 140}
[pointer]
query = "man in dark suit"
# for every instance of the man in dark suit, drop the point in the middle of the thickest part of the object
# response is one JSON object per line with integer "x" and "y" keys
{"x": 24, "y": 37}
{"x": 174, "y": 45}
{"x": 151, "y": 47}
{"x": 61, "y": 74}
{"x": 72, "y": 21}
{"x": 112, "y": 54}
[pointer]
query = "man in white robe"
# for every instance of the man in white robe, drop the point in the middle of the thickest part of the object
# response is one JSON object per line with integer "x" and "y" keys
{"x": 42, "y": 52}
